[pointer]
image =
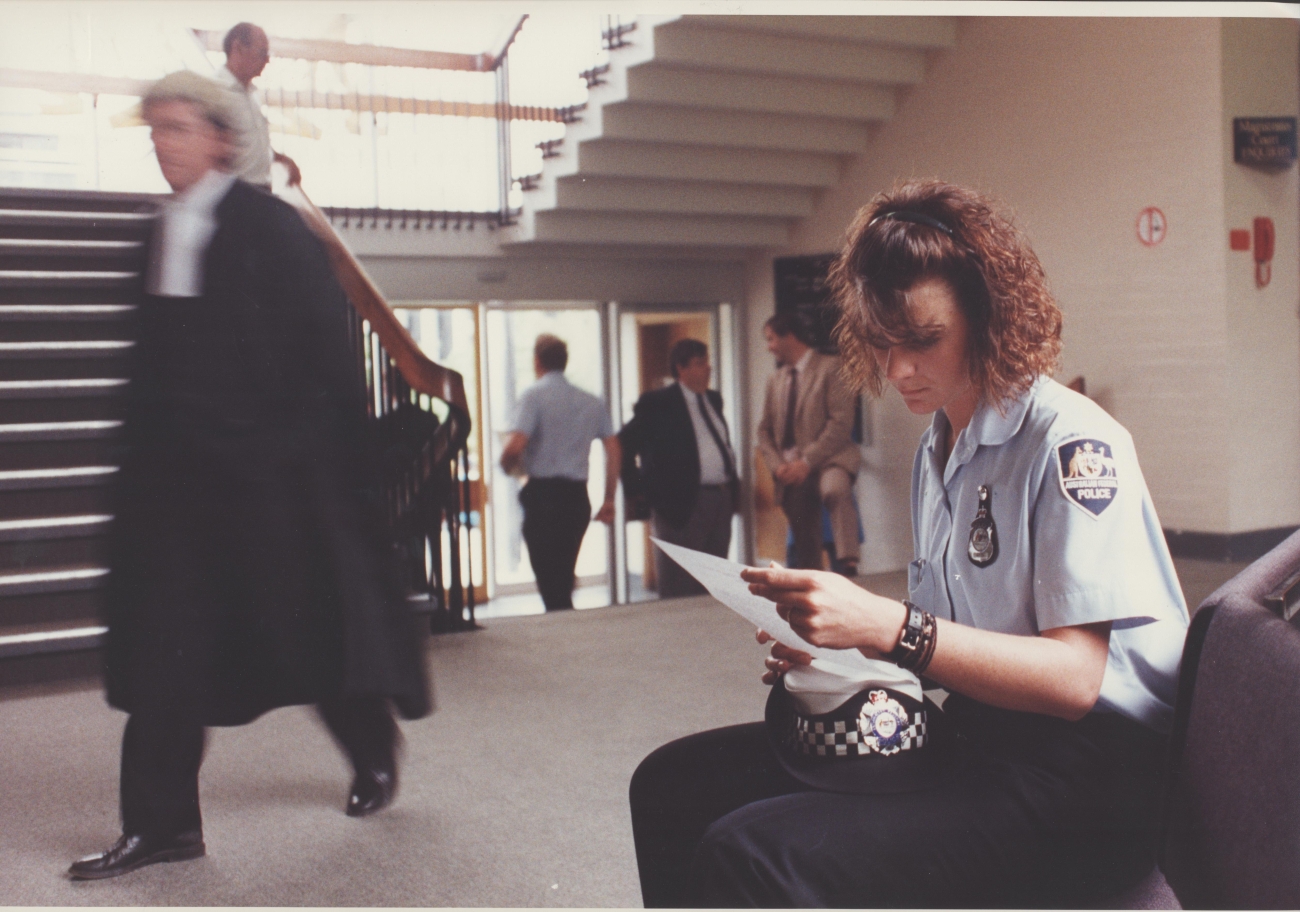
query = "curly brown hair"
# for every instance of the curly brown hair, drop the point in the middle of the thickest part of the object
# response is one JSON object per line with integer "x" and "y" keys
{"x": 929, "y": 229}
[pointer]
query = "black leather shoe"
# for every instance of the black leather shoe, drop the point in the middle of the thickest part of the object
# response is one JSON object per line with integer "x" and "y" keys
{"x": 131, "y": 852}
{"x": 372, "y": 791}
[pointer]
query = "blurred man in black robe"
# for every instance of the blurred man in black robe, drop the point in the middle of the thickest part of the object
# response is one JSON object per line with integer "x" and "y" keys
{"x": 249, "y": 561}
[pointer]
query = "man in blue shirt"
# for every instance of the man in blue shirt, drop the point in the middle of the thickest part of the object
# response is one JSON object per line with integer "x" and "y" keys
{"x": 554, "y": 426}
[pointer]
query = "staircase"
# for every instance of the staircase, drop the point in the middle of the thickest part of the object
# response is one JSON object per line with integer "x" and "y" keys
{"x": 718, "y": 133}
{"x": 68, "y": 266}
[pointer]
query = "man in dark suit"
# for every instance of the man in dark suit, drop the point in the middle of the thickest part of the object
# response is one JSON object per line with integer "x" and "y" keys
{"x": 687, "y": 470}
{"x": 249, "y": 559}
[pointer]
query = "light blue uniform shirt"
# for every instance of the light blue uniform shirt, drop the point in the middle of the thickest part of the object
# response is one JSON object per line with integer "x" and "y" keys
{"x": 1079, "y": 541}
{"x": 561, "y": 421}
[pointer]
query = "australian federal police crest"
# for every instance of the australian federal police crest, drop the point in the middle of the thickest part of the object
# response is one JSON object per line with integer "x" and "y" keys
{"x": 1087, "y": 473}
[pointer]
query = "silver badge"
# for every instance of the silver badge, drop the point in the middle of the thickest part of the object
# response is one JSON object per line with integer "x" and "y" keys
{"x": 882, "y": 723}
{"x": 983, "y": 547}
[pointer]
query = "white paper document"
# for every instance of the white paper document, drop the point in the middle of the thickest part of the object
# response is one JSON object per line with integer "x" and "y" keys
{"x": 722, "y": 578}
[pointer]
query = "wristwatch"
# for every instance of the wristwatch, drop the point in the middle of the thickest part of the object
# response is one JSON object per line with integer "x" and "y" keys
{"x": 910, "y": 641}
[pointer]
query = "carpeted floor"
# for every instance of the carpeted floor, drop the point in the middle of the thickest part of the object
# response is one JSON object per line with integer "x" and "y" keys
{"x": 513, "y": 793}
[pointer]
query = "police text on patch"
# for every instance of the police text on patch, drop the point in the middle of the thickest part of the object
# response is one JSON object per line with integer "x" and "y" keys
{"x": 1086, "y": 469}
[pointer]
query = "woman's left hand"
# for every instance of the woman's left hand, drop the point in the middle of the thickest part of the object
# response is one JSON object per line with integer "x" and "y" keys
{"x": 828, "y": 610}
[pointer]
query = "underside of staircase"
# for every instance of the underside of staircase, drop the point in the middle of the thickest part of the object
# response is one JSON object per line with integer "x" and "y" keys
{"x": 720, "y": 132}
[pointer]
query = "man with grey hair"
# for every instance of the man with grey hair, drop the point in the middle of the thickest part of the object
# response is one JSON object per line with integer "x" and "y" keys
{"x": 247, "y": 52}
{"x": 248, "y": 571}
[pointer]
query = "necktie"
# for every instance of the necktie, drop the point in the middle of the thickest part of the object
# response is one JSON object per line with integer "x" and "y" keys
{"x": 717, "y": 438}
{"x": 787, "y": 439}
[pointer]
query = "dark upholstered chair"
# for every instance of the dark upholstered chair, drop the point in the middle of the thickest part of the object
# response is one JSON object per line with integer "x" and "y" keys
{"x": 1231, "y": 836}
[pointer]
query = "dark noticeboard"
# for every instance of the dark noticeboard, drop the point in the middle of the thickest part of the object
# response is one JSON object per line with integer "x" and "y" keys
{"x": 801, "y": 287}
{"x": 1264, "y": 142}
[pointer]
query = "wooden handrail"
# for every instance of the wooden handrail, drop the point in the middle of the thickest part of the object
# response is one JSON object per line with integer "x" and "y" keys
{"x": 423, "y": 374}
{"x": 368, "y": 54}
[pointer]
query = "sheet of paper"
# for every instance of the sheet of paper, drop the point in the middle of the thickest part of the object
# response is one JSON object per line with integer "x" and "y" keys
{"x": 722, "y": 578}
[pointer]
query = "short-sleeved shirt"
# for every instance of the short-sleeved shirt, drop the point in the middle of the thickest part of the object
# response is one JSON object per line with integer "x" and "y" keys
{"x": 253, "y": 147}
{"x": 560, "y": 421}
{"x": 1078, "y": 539}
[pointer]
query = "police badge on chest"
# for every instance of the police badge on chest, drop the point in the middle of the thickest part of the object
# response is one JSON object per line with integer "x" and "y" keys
{"x": 983, "y": 544}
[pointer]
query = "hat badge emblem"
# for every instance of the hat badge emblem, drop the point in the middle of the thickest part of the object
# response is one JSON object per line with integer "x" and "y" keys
{"x": 882, "y": 723}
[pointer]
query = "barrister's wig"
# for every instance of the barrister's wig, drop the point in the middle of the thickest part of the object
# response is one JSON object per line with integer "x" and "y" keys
{"x": 927, "y": 230}
{"x": 551, "y": 352}
{"x": 213, "y": 100}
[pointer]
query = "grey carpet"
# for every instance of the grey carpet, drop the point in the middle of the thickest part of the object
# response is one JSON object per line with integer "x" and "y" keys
{"x": 513, "y": 793}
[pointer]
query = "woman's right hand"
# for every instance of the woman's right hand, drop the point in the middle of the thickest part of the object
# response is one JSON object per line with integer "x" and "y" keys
{"x": 782, "y": 658}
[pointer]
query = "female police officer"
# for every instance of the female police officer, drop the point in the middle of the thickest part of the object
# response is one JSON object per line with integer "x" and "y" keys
{"x": 1042, "y": 598}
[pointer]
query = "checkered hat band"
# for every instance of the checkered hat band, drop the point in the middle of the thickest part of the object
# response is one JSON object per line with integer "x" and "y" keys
{"x": 842, "y": 739}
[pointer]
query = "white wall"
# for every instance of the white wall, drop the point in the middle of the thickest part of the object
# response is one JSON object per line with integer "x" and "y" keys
{"x": 1263, "y": 359}
{"x": 1077, "y": 124}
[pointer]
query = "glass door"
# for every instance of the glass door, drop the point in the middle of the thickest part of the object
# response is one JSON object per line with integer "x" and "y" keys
{"x": 646, "y": 335}
{"x": 510, "y": 334}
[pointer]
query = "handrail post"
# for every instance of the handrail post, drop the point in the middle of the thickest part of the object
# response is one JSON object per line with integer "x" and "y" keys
{"x": 505, "y": 122}
{"x": 435, "y": 483}
{"x": 505, "y": 167}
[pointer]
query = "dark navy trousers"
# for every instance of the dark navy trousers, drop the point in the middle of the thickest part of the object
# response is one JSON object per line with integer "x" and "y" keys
{"x": 1042, "y": 813}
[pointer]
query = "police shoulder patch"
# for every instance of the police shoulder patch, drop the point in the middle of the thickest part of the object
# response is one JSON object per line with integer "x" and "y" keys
{"x": 1086, "y": 469}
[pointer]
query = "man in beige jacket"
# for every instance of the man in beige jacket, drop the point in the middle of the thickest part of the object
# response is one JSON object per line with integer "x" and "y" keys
{"x": 805, "y": 440}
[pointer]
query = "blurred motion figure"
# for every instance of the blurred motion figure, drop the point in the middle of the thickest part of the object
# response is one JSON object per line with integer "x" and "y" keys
{"x": 555, "y": 423}
{"x": 249, "y": 567}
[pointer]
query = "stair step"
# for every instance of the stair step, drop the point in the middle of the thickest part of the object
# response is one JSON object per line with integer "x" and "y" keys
{"x": 110, "y": 348}
{"x": 53, "y": 527}
{"x": 78, "y": 476}
{"x": 61, "y": 277}
{"x": 65, "y": 579}
{"x": 38, "y": 642}
{"x": 46, "y": 401}
{"x": 61, "y": 389}
{"x": 51, "y": 542}
{"x": 65, "y": 247}
{"x": 60, "y": 453}
{"x": 54, "y": 217}
{"x": 64, "y": 312}
{"x": 57, "y": 430}
{"x": 61, "y": 409}
{"x": 54, "y": 596}
{"x": 76, "y": 491}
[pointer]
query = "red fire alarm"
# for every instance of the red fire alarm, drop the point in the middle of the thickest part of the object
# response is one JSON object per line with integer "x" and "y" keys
{"x": 1239, "y": 239}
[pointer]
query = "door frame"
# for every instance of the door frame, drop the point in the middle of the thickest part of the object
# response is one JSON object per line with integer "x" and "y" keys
{"x": 726, "y": 357}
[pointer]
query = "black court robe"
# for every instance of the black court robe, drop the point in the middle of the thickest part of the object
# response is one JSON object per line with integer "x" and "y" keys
{"x": 250, "y": 567}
